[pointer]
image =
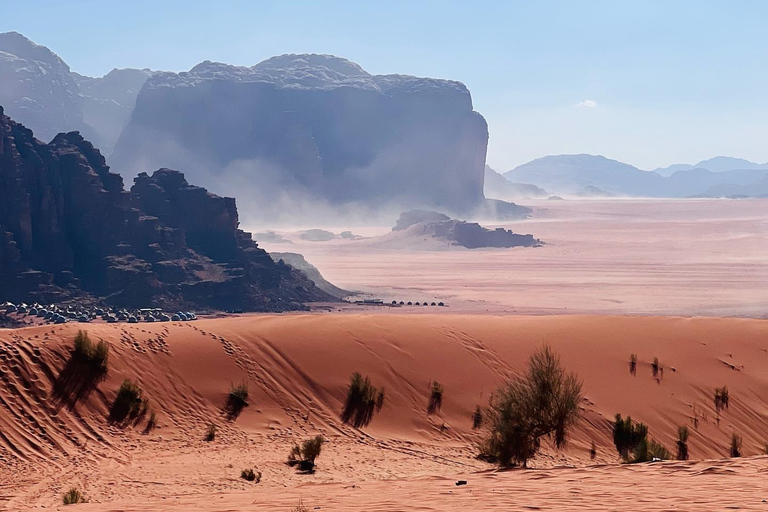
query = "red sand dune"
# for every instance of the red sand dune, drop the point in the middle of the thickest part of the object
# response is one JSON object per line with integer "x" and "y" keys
{"x": 297, "y": 368}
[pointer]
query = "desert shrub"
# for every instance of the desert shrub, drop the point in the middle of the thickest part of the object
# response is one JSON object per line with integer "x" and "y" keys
{"x": 305, "y": 455}
{"x": 362, "y": 400}
{"x": 300, "y": 507}
{"x": 129, "y": 403}
{"x": 648, "y": 450}
{"x": 542, "y": 403}
{"x": 633, "y": 364}
{"x": 735, "y": 449}
{"x": 477, "y": 418}
{"x": 250, "y": 475}
{"x": 435, "y": 398}
{"x": 627, "y": 435}
{"x": 682, "y": 443}
{"x": 722, "y": 398}
{"x": 592, "y": 451}
{"x": 655, "y": 366}
{"x": 74, "y": 496}
{"x": 96, "y": 356}
{"x": 237, "y": 400}
{"x": 151, "y": 423}
{"x": 210, "y": 434}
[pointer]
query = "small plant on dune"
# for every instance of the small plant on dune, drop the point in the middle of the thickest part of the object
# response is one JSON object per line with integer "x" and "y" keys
{"x": 237, "y": 400}
{"x": 305, "y": 455}
{"x": 682, "y": 443}
{"x": 95, "y": 356}
{"x": 627, "y": 436}
{"x": 543, "y": 403}
{"x": 251, "y": 475}
{"x": 477, "y": 418}
{"x": 74, "y": 496}
{"x": 361, "y": 402}
{"x": 300, "y": 507}
{"x": 129, "y": 404}
{"x": 633, "y": 364}
{"x": 151, "y": 423}
{"x": 435, "y": 398}
{"x": 765, "y": 449}
{"x": 655, "y": 367}
{"x": 735, "y": 449}
{"x": 210, "y": 434}
{"x": 592, "y": 451}
{"x": 649, "y": 450}
{"x": 722, "y": 399}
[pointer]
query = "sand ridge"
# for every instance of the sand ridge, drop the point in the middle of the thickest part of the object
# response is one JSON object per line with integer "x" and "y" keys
{"x": 297, "y": 368}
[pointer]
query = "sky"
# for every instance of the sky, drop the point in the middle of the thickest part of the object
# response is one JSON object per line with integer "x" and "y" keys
{"x": 647, "y": 82}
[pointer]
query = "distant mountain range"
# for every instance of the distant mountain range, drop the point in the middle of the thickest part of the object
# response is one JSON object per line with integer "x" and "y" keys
{"x": 594, "y": 175}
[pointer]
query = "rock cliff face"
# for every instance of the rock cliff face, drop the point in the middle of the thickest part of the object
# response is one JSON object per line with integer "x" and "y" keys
{"x": 36, "y": 86}
{"x": 108, "y": 102}
{"x": 38, "y": 89}
{"x": 68, "y": 227}
{"x": 311, "y": 127}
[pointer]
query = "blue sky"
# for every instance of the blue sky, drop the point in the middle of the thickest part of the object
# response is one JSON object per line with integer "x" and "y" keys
{"x": 648, "y": 82}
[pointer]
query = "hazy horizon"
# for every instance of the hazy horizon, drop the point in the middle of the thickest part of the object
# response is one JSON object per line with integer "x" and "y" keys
{"x": 647, "y": 83}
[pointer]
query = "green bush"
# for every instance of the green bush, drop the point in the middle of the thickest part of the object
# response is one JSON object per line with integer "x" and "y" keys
{"x": 648, "y": 449}
{"x": 477, "y": 418}
{"x": 545, "y": 402}
{"x": 435, "y": 398}
{"x": 633, "y": 364}
{"x": 129, "y": 403}
{"x": 655, "y": 366}
{"x": 96, "y": 356}
{"x": 250, "y": 475}
{"x": 722, "y": 398}
{"x": 735, "y": 450}
{"x": 682, "y": 443}
{"x": 210, "y": 434}
{"x": 237, "y": 400}
{"x": 305, "y": 455}
{"x": 627, "y": 435}
{"x": 74, "y": 496}
{"x": 361, "y": 402}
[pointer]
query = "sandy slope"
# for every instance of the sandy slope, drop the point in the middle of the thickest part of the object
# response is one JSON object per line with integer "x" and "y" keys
{"x": 297, "y": 368}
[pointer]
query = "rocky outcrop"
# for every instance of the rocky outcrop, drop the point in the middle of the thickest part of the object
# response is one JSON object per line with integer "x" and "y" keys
{"x": 108, "y": 102}
{"x": 298, "y": 261}
{"x": 498, "y": 187}
{"x": 68, "y": 227}
{"x": 313, "y": 129}
{"x": 37, "y": 88}
{"x": 421, "y": 223}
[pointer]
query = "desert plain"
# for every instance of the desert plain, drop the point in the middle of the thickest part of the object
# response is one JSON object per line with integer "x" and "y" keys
{"x": 683, "y": 281}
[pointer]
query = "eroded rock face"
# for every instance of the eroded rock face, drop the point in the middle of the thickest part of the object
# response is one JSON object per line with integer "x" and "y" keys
{"x": 68, "y": 227}
{"x": 38, "y": 89}
{"x": 312, "y": 128}
{"x": 36, "y": 86}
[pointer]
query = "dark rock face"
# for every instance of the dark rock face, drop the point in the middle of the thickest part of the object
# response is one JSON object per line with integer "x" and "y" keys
{"x": 68, "y": 227}
{"x": 313, "y": 127}
{"x": 466, "y": 234}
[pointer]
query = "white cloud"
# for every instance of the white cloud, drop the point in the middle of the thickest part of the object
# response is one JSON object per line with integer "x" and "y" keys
{"x": 587, "y": 104}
